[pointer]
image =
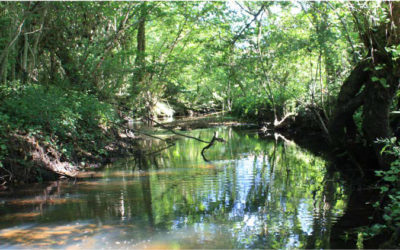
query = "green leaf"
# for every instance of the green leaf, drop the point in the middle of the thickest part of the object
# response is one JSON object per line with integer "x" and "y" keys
{"x": 386, "y": 217}
{"x": 381, "y": 152}
{"x": 390, "y": 178}
{"x": 383, "y": 82}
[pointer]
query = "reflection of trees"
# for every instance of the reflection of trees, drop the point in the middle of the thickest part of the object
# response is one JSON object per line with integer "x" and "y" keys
{"x": 323, "y": 209}
{"x": 146, "y": 188}
{"x": 274, "y": 195}
{"x": 261, "y": 191}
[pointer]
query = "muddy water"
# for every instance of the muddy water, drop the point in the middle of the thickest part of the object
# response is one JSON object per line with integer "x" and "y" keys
{"x": 254, "y": 193}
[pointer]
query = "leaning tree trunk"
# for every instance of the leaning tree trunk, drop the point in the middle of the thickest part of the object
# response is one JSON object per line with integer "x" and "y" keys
{"x": 371, "y": 86}
{"x": 341, "y": 125}
{"x": 375, "y": 99}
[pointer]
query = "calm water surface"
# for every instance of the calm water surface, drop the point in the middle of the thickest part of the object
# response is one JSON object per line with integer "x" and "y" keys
{"x": 254, "y": 193}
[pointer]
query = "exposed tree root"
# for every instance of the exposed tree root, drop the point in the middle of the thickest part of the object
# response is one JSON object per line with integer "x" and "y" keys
{"x": 31, "y": 159}
{"x": 45, "y": 157}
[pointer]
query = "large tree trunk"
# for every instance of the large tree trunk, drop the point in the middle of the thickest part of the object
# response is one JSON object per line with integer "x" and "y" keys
{"x": 141, "y": 45}
{"x": 376, "y": 110}
{"x": 5, "y": 52}
{"x": 375, "y": 99}
{"x": 341, "y": 125}
{"x": 140, "y": 61}
{"x": 371, "y": 86}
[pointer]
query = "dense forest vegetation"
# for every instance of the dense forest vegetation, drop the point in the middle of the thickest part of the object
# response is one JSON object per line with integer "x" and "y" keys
{"x": 73, "y": 73}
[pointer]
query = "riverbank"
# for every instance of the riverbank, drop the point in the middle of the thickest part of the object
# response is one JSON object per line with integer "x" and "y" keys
{"x": 55, "y": 139}
{"x": 47, "y": 133}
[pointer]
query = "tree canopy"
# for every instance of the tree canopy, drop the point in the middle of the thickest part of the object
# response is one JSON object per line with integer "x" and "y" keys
{"x": 73, "y": 73}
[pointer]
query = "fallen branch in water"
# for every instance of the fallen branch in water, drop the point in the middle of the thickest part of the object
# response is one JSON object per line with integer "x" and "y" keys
{"x": 174, "y": 132}
{"x": 161, "y": 149}
{"x": 213, "y": 140}
{"x": 128, "y": 132}
{"x": 149, "y": 135}
{"x": 210, "y": 143}
{"x": 280, "y": 123}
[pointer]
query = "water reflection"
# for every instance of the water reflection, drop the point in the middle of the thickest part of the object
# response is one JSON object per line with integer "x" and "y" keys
{"x": 253, "y": 194}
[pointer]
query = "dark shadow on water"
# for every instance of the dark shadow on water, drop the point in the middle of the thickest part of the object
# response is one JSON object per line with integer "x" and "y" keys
{"x": 359, "y": 188}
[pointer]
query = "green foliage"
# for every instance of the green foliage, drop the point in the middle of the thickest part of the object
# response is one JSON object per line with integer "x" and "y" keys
{"x": 4, "y": 129}
{"x": 358, "y": 120}
{"x": 391, "y": 188}
{"x": 250, "y": 107}
{"x": 62, "y": 112}
{"x": 57, "y": 116}
{"x": 390, "y": 191}
{"x": 198, "y": 55}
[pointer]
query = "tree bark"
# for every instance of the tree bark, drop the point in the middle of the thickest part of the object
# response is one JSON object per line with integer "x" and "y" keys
{"x": 376, "y": 111}
{"x": 4, "y": 54}
{"x": 349, "y": 100}
{"x": 141, "y": 45}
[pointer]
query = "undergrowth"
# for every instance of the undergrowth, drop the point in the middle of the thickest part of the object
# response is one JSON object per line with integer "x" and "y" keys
{"x": 388, "y": 207}
{"x": 74, "y": 123}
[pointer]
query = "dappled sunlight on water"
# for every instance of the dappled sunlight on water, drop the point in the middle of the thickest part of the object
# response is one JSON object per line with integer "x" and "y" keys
{"x": 45, "y": 236}
{"x": 253, "y": 194}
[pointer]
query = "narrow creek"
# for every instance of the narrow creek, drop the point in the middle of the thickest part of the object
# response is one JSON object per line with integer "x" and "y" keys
{"x": 254, "y": 193}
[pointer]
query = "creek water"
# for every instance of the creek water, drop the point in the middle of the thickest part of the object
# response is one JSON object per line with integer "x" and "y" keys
{"x": 254, "y": 193}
